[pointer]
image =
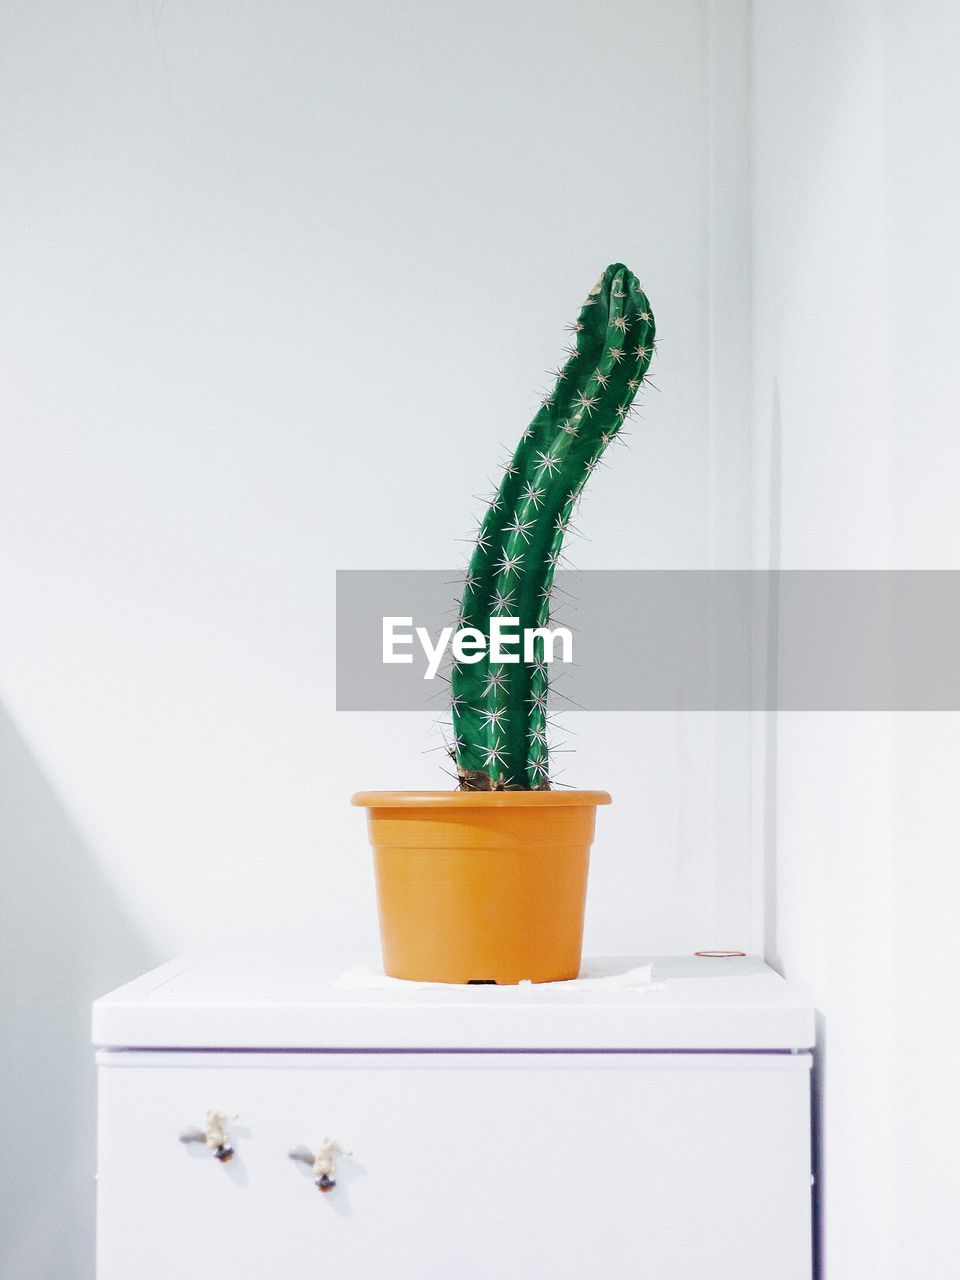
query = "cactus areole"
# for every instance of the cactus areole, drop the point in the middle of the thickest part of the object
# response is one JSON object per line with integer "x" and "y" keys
{"x": 500, "y": 716}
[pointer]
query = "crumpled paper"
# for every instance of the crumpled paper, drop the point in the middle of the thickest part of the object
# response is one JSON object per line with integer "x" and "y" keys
{"x": 595, "y": 975}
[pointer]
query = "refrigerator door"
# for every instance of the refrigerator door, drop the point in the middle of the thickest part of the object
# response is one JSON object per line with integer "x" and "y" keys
{"x": 473, "y": 1166}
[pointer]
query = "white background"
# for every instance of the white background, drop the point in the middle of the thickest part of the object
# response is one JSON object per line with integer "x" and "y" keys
{"x": 280, "y": 284}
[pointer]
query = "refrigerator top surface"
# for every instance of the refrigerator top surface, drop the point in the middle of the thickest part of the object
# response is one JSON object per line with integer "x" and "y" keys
{"x": 300, "y": 999}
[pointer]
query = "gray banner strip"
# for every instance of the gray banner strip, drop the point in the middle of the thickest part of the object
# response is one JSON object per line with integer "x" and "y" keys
{"x": 664, "y": 640}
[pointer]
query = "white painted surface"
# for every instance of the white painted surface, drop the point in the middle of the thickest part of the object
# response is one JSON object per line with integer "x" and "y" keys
{"x": 291, "y": 1000}
{"x": 279, "y": 281}
{"x": 856, "y": 178}
{"x": 489, "y": 1165}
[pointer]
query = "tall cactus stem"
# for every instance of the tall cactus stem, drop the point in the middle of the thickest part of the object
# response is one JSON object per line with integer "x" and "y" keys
{"x": 500, "y": 711}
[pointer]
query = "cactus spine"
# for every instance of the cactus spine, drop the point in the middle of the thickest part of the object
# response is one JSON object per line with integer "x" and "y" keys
{"x": 500, "y": 710}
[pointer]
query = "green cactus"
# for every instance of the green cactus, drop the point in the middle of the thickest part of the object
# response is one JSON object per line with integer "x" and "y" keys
{"x": 500, "y": 710}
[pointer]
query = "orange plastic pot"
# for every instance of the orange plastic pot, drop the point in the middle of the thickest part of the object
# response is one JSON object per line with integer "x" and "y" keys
{"x": 481, "y": 886}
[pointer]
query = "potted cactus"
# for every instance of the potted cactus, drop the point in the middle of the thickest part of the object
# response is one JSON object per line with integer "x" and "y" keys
{"x": 487, "y": 883}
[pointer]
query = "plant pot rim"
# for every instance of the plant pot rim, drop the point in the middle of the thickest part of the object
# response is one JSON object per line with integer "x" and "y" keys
{"x": 478, "y": 799}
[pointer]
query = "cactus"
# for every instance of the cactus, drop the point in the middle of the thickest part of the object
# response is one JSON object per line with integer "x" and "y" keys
{"x": 500, "y": 710}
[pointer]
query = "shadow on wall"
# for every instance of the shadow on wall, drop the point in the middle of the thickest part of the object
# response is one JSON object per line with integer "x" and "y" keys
{"x": 771, "y": 932}
{"x": 774, "y": 501}
{"x": 819, "y": 1173}
{"x": 64, "y": 941}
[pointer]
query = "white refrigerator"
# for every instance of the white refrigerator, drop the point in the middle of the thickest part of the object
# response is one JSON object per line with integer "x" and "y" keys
{"x": 651, "y": 1121}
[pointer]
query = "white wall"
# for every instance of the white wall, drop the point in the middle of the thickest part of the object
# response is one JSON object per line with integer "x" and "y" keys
{"x": 856, "y": 201}
{"x": 279, "y": 281}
